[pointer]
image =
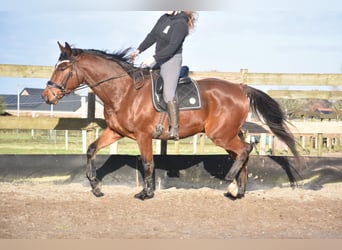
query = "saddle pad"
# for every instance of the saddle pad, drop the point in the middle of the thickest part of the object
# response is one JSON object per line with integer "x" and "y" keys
{"x": 187, "y": 93}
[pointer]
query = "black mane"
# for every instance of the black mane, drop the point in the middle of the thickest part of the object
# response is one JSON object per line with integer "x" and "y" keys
{"x": 120, "y": 55}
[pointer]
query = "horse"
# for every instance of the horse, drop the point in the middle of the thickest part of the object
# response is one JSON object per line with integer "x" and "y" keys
{"x": 129, "y": 112}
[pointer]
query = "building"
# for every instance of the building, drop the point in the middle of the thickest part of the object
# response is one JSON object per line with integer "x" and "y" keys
{"x": 30, "y": 103}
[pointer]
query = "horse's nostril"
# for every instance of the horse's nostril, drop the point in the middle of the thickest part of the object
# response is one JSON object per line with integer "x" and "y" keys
{"x": 45, "y": 98}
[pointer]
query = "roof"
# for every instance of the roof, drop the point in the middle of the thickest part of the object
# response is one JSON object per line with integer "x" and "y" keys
{"x": 30, "y": 99}
{"x": 31, "y": 91}
{"x": 324, "y": 110}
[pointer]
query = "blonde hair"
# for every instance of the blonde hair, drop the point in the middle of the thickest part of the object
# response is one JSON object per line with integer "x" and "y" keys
{"x": 192, "y": 18}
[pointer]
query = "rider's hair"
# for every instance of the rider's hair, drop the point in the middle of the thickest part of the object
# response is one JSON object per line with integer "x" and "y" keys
{"x": 192, "y": 18}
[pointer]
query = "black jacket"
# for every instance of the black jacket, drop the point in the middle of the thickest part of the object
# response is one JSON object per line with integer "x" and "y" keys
{"x": 168, "y": 33}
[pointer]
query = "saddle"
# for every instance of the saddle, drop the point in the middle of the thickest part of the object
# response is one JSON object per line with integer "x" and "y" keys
{"x": 187, "y": 92}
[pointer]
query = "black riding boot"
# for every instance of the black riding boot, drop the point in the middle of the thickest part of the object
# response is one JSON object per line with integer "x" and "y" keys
{"x": 172, "y": 111}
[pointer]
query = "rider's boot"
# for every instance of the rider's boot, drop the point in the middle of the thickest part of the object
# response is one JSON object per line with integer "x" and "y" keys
{"x": 172, "y": 111}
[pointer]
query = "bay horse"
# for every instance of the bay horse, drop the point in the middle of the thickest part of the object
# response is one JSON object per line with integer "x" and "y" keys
{"x": 129, "y": 112}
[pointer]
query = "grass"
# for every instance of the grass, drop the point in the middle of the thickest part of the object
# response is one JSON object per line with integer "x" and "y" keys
{"x": 54, "y": 142}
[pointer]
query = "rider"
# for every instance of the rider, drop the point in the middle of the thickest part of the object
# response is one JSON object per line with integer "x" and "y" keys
{"x": 168, "y": 34}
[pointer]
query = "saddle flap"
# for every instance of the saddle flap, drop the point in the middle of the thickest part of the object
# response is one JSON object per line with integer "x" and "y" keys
{"x": 187, "y": 92}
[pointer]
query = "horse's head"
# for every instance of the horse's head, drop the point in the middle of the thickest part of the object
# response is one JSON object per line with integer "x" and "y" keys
{"x": 65, "y": 77}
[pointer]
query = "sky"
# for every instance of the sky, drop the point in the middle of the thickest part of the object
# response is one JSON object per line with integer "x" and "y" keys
{"x": 293, "y": 36}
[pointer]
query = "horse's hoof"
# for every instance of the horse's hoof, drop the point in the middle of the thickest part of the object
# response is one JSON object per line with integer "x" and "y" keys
{"x": 143, "y": 195}
{"x": 229, "y": 196}
{"x": 233, "y": 198}
{"x": 97, "y": 192}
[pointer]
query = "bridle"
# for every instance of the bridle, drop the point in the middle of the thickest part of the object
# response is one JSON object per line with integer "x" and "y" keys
{"x": 63, "y": 87}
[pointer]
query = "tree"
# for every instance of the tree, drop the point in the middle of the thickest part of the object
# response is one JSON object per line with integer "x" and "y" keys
{"x": 293, "y": 108}
{"x": 337, "y": 107}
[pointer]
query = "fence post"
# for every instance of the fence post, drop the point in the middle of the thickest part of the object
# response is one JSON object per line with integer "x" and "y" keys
{"x": 176, "y": 147}
{"x": 273, "y": 147}
{"x": 163, "y": 148}
{"x": 202, "y": 143}
{"x": 84, "y": 141}
{"x": 302, "y": 139}
{"x": 66, "y": 140}
{"x": 337, "y": 143}
{"x": 113, "y": 148}
{"x": 194, "y": 143}
{"x": 319, "y": 144}
{"x": 262, "y": 144}
{"x": 91, "y": 105}
{"x": 244, "y": 73}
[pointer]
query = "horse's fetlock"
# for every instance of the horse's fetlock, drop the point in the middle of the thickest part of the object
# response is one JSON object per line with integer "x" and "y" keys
{"x": 91, "y": 177}
{"x": 233, "y": 188}
{"x": 229, "y": 179}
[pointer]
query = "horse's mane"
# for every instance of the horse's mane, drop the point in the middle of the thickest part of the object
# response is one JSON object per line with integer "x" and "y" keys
{"x": 120, "y": 56}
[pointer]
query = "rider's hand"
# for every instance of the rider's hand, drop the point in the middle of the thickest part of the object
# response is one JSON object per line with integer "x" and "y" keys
{"x": 134, "y": 54}
{"x": 149, "y": 62}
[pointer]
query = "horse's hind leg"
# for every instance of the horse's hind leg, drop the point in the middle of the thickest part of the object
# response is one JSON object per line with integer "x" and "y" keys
{"x": 106, "y": 138}
{"x": 237, "y": 175}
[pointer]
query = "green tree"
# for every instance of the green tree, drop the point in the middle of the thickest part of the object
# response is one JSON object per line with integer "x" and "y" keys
{"x": 293, "y": 108}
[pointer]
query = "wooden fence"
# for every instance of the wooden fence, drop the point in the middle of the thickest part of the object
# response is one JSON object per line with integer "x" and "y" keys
{"x": 245, "y": 77}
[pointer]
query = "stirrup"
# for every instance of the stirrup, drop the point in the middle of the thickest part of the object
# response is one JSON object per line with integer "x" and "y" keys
{"x": 173, "y": 135}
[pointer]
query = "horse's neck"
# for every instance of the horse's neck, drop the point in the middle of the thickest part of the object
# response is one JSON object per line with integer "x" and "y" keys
{"x": 111, "y": 84}
{"x": 113, "y": 91}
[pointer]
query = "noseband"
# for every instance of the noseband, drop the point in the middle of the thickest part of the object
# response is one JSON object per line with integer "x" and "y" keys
{"x": 62, "y": 87}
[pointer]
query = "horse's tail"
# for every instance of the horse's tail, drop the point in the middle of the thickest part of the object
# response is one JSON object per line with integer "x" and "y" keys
{"x": 265, "y": 107}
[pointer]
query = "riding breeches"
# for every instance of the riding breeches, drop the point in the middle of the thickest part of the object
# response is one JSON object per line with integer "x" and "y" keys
{"x": 170, "y": 71}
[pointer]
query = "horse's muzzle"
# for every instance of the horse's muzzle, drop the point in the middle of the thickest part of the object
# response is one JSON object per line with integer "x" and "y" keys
{"x": 48, "y": 101}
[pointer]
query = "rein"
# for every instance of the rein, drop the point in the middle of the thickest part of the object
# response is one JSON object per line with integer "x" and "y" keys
{"x": 112, "y": 78}
{"x": 65, "y": 92}
{"x": 106, "y": 80}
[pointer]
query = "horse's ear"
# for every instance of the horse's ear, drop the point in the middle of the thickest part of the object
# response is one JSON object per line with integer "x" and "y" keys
{"x": 60, "y": 46}
{"x": 67, "y": 49}
{"x": 67, "y": 46}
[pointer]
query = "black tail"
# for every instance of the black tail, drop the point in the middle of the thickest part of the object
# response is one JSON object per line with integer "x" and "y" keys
{"x": 263, "y": 106}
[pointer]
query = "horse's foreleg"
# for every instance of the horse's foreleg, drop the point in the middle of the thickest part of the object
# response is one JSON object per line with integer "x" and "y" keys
{"x": 145, "y": 146}
{"x": 148, "y": 188}
{"x": 106, "y": 138}
{"x": 95, "y": 183}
